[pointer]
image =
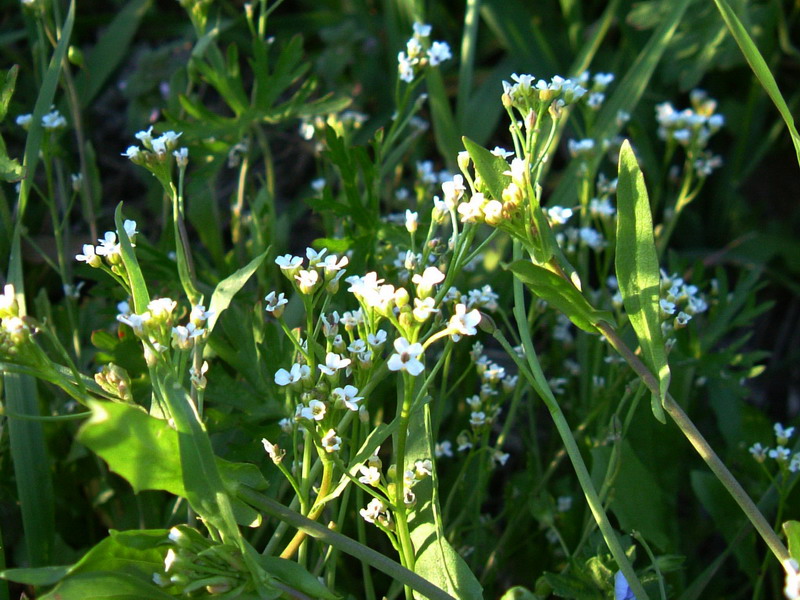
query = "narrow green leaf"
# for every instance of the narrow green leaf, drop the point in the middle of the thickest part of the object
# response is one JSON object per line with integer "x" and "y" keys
{"x": 625, "y": 97}
{"x": 102, "y": 585}
{"x": 228, "y": 288}
{"x": 636, "y": 262}
{"x": 560, "y": 294}
{"x": 491, "y": 168}
{"x": 760, "y": 68}
{"x": 36, "y": 576}
{"x": 111, "y": 49}
{"x": 8, "y": 82}
{"x": 141, "y": 297}
{"x": 445, "y": 131}
{"x": 792, "y": 531}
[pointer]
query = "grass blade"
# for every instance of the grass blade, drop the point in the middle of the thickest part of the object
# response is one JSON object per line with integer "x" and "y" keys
{"x": 26, "y": 438}
{"x": 636, "y": 263}
{"x": 759, "y": 67}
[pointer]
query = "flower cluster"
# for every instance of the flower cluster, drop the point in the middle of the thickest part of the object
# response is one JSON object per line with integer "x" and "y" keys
{"x": 692, "y": 128}
{"x": 322, "y": 271}
{"x": 781, "y": 454}
{"x": 108, "y": 249}
{"x": 193, "y": 563}
{"x": 420, "y": 53}
{"x": 50, "y": 122}
{"x": 679, "y": 302}
{"x": 528, "y": 93}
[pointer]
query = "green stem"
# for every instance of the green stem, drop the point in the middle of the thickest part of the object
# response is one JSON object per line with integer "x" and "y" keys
{"x": 539, "y": 383}
{"x": 702, "y": 447}
{"x": 345, "y": 544}
{"x": 401, "y": 516}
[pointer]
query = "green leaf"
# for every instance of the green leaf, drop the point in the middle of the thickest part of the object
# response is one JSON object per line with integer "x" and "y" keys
{"x": 230, "y": 286}
{"x": 491, "y": 168}
{"x": 445, "y": 130}
{"x": 8, "y": 82}
{"x": 792, "y": 531}
{"x": 146, "y": 452}
{"x": 105, "y": 586}
{"x": 296, "y": 576}
{"x": 138, "y": 553}
{"x": 636, "y": 263}
{"x": 760, "y": 68}
{"x": 141, "y": 297}
{"x": 560, "y": 294}
{"x": 36, "y": 576}
{"x": 111, "y": 49}
{"x": 572, "y": 587}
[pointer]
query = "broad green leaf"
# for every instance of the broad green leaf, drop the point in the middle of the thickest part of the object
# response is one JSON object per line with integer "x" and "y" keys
{"x": 111, "y": 49}
{"x": 760, "y": 68}
{"x": 491, "y": 168}
{"x": 637, "y": 498}
{"x": 36, "y": 576}
{"x": 636, "y": 263}
{"x": 792, "y": 531}
{"x": 138, "y": 553}
{"x": 141, "y": 297}
{"x": 296, "y": 576}
{"x": 146, "y": 452}
{"x": 229, "y": 287}
{"x": 101, "y": 585}
{"x": 625, "y": 97}
{"x": 560, "y": 294}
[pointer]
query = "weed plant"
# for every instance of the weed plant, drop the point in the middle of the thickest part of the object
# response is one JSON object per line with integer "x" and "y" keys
{"x": 381, "y": 314}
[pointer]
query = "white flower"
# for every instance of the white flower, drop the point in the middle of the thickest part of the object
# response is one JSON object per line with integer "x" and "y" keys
{"x": 666, "y": 306}
{"x": 443, "y": 448}
{"x": 472, "y": 211}
{"x": 499, "y": 457}
{"x": 333, "y": 363}
{"x": 200, "y": 315}
{"x": 286, "y": 425}
{"x": 53, "y": 120}
{"x": 307, "y": 281}
{"x": 89, "y": 256}
{"x": 438, "y": 53}
{"x": 518, "y": 170}
{"x": 333, "y": 263}
{"x": 377, "y": 339}
{"x": 601, "y": 207}
{"x": 289, "y": 262}
{"x": 183, "y": 337}
{"x": 794, "y": 464}
{"x": 348, "y": 395}
{"x": 407, "y": 357}
{"x": 294, "y": 375}
{"x": 24, "y": 120}
{"x": 352, "y": 319}
{"x": 108, "y": 245}
{"x": 423, "y": 309}
{"x": 132, "y": 152}
{"x": 421, "y": 29}
{"x": 331, "y": 442}
{"x": 791, "y": 588}
{"x": 780, "y": 453}
{"x": 369, "y": 475}
{"x": 315, "y": 411}
{"x": 477, "y": 418}
{"x": 430, "y": 277}
{"x": 373, "y": 511}
{"x": 453, "y": 191}
{"x": 275, "y": 453}
{"x": 463, "y": 322}
{"x": 592, "y": 238}
{"x": 423, "y": 468}
{"x": 135, "y": 322}
{"x": 161, "y": 308}
{"x": 145, "y": 137}
{"x": 412, "y": 221}
{"x": 502, "y": 152}
{"x": 783, "y": 434}
{"x": 169, "y": 559}
{"x": 405, "y": 67}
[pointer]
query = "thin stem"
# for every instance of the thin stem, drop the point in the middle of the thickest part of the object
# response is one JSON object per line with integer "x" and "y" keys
{"x": 702, "y": 447}
{"x": 316, "y": 509}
